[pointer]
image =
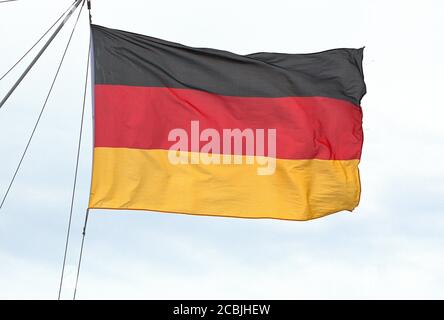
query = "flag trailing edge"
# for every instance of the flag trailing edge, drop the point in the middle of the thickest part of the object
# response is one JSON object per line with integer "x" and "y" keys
{"x": 306, "y": 105}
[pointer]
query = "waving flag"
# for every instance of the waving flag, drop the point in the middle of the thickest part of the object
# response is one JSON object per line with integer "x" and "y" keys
{"x": 209, "y": 132}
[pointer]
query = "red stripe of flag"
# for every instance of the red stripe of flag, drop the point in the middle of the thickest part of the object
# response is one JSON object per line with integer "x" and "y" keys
{"x": 307, "y": 127}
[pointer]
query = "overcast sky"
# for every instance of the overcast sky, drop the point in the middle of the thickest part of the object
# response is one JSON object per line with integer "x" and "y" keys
{"x": 391, "y": 246}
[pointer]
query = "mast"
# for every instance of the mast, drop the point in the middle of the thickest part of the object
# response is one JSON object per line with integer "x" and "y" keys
{"x": 73, "y": 8}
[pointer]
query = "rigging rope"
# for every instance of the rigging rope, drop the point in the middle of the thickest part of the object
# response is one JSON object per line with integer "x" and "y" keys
{"x": 75, "y": 178}
{"x": 42, "y": 109}
{"x": 81, "y": 253}
{"x": 36, "y": 43}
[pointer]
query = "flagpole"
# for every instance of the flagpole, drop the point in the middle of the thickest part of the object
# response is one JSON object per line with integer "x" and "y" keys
{"x": 91, "y": 52}
{"x": 74, "y": 187}
{"x": 16, "y": 84}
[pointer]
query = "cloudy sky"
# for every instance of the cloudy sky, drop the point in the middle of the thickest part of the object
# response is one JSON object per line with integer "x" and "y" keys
{"x": 391, "y": 246}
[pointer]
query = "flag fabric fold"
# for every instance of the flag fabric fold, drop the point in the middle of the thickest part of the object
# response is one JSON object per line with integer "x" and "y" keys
{"x": 209, "y": 132}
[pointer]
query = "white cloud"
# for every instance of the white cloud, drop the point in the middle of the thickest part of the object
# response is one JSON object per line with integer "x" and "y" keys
{"x": 391, "y": 247}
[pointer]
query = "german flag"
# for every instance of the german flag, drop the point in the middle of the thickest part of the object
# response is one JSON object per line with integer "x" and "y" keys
{"x": 209, "y": 132}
